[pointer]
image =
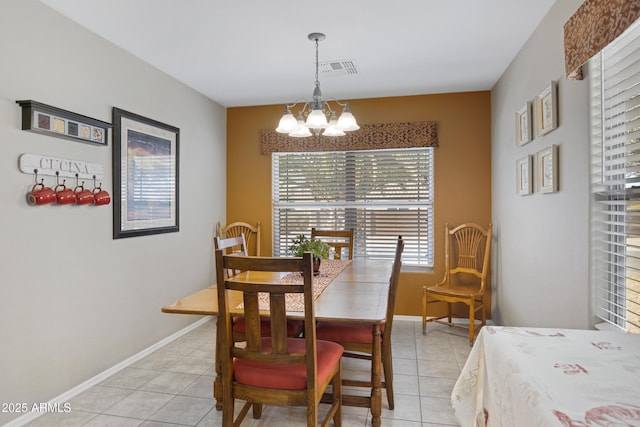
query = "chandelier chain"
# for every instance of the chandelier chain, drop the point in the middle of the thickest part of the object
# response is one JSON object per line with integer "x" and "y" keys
{"x": 317, "y": 81}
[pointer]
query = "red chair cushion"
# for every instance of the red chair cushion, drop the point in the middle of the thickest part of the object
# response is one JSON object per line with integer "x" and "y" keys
{"x": 294, "y": 327}
{"x": 287, "y": 377}
{"x": 345, "y": 332}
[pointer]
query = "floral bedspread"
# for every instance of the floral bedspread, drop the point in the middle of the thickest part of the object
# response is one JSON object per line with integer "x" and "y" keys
{"x": 550, "y": 377}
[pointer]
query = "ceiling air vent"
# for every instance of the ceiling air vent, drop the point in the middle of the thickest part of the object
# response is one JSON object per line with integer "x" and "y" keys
{"x": 343, "y": 67}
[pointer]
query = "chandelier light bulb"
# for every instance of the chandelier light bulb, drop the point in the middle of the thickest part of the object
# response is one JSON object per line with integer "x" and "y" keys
{"x": 317, "y": 120}
{"x": 347, "y": 122}
{"x": 288, "y": 123}
{"x": 332, "y": 130}
{"x": 302, "y": 131}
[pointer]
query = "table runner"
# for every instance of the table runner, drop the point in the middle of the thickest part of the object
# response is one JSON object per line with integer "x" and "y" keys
{"x": 329, "y": 270}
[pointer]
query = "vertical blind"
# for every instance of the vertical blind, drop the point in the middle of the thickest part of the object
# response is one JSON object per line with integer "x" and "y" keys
{"x": 615, "y": 237}
{"x": 379, "y": 193}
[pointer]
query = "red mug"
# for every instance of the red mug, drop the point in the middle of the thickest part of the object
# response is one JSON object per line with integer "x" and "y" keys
{"x": 84, "y": 196}
{"x": 101, "y": 197}
{"x": 64, "y": 195}
{"x": 41, "y": 195}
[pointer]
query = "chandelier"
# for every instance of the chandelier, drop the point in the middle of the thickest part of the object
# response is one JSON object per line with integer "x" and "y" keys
{"x": 320, "y": 117}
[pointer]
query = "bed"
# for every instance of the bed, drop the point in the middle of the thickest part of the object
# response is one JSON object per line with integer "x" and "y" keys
{"x": 549, "y": 377}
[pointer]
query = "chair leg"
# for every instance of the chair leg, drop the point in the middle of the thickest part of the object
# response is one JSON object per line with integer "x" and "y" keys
{"x": 387, "y": 366}
{"x": 217, "y": 382}
{"x": 337, "y": 397}
{"x": 472, "y": 321}
{"x": 257, "y": 411}
{"x": 312, "y": 414}
{"x": 424, "y": 312}
{"x": 449, "y": 313}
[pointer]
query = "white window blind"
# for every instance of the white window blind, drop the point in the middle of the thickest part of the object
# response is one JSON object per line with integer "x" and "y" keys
{"x": 380, "y": 194}
{"x": 615, "y": 224}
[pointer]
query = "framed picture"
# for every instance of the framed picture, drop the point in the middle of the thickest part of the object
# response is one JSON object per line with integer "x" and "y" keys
{"x": 524, "y": 182}
{"x": 547, "y": 169}
{"x": 546, "y": 109}
{"x": 145, "y": 176}
{"x": 52, "y": 121}
{"x": 523, "y": 124}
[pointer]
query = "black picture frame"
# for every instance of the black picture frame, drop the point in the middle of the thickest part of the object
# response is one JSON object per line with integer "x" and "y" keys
{"x": 52, "y": 121}
{"x": 145, "y": 176}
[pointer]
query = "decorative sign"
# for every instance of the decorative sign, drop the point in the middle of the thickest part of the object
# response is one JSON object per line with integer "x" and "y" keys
{"x": 44, "y": 165}
{"x": 48, "y": 120}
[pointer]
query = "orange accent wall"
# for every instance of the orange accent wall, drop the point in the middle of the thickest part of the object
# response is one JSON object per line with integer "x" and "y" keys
{"x": 462, "y": 169}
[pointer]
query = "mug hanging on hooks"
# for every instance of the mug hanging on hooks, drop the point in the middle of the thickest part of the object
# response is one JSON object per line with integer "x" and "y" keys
{"x": 64, "y": 195}
{"x": 84, "y": 196}
{"x": 39, "y": 194}
{"x": 100, "y": 196}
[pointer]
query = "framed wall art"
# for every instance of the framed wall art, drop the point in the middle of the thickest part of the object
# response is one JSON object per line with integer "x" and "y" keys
{"x": 547, "y": 169}
{"x": 524, "y": 172}
{"x": 145, "y": 176}
{"x": 546, "y": 109}
{"x": 52, "y": 121}
{"x": 523, "y": 124}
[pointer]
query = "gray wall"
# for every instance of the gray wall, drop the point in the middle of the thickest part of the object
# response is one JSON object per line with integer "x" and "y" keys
{"x": 541, "y": 259}
{"x": 75, "y": 302}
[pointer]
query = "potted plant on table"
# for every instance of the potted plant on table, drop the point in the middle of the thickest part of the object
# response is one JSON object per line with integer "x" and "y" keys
{"x": 318, "y": 248}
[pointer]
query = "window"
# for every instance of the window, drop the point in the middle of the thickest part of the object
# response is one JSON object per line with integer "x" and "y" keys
{"x": 615, "y": 223}
{"x": 379, "y": 193}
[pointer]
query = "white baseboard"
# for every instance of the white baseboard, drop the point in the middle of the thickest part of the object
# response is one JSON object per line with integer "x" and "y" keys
{"x": 68, "y": 395}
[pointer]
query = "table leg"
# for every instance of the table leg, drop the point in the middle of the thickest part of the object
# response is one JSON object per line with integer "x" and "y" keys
{"x": 217, "y": 383}
{"x": 376, "y": 377}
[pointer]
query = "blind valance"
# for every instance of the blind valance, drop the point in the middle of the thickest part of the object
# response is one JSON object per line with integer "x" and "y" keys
{"x": 595, "y": 24}
{"x": 368, "y": 137}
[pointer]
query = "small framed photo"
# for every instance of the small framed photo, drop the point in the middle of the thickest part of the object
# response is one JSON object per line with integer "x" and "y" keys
{"x": 547, "y": 169}
{"x": 524, "y": 182}
{"x": 546, "y": 109}
{"x": 523, "y": 124}
{"x": 145, "y": 176}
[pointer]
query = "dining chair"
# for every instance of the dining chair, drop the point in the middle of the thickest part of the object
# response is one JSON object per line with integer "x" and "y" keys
{"x": 357, "y": 338}
{"x": 344, "y": 240}
{"x": 232, "y": 246}
{"x": 251, "y": 234}
{"x": 237, "y": 246}
{"x": 275, "y": 370}
{"x": 467, "y": 251}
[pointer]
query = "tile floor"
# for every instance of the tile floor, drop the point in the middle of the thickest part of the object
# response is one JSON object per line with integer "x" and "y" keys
{"x": 173, "y": 386}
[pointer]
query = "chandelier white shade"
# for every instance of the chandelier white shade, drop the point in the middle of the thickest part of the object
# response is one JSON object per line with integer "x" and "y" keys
{"x": 320, "y": 117}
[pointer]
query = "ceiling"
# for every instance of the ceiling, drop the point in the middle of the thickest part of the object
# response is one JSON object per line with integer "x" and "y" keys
{"x": 256, "y": 52}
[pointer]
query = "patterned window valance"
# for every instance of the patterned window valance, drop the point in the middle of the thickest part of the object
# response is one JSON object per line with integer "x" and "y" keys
{"x": 368, "y": 137}
{"x": 595, "y": 24}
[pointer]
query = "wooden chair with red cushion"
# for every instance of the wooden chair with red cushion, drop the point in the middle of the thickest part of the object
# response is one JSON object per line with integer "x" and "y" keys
{"x": 237, "y": 246}
{"x": 357, "y": 338}
{"x": 275, "y": 370}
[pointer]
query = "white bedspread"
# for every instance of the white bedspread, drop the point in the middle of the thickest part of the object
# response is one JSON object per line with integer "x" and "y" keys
{"x": 550, "y": 377}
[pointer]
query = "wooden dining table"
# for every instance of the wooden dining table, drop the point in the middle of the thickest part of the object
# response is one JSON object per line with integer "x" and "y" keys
{"x": 358, "y": 294}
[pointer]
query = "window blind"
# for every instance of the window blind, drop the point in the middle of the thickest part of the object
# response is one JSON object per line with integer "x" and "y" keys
{"x": 615, "y": 219}
{"x": 379, "y": 193}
